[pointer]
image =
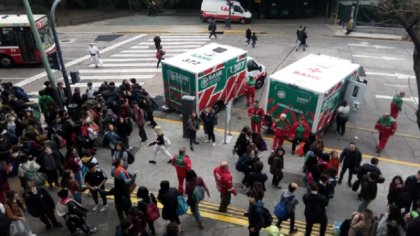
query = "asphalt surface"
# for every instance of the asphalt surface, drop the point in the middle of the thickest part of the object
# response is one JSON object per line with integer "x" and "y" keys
{"x": 388, "y": 64}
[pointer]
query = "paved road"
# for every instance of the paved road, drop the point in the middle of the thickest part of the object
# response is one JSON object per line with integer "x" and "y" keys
{"x": 131, "y": 55}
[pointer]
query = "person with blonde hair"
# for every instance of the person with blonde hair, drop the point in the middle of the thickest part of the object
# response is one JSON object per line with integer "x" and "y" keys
{"x": 160, "y": 144}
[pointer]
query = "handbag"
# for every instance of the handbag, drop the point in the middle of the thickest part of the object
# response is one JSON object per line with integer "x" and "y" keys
{"x": 300, "y": 149}
{"x": 152, "y": 211}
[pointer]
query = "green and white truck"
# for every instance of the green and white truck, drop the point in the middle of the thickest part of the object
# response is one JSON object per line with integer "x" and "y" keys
{"x": 314, "y": 87}
{"x": 214, "y": 74}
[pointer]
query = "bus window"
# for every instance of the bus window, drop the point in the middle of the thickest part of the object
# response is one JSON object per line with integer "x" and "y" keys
{"x": 46, "y": 38}
{"x": 7, "y": 37}
{"x": 355, "y": 91}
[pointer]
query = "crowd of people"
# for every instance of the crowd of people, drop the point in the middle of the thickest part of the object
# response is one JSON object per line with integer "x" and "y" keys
{"x": 43, "y": 143}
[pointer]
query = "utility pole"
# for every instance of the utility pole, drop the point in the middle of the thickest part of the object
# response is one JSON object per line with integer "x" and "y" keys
{"x": 57, "y": 45}
{"x": 355, "y": 15}
{"x": 228, "y": 22}
{"x": 40, "y": 48}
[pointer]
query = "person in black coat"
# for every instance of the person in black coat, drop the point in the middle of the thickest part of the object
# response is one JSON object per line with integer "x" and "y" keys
{"x": 255, "y": 214}
{"x": 40, "y": 205}
{"x": 124, "y": 129}
{"x": 315, "y": 212}
{"x": 157, "y": 41}
{"x": 168, "y": 197}
{"x": 248, "y": 35}
{"x": 145, "y": 198}
{"x": 256, "y": 175}
{"x": 351, "y": 158}
{"x": 243, "y": 141}
{"x": 209, "y": 121}
{"x": 412, "y": 184}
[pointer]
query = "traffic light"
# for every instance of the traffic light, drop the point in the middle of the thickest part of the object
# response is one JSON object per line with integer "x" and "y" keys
{"x": 53, "y": 61}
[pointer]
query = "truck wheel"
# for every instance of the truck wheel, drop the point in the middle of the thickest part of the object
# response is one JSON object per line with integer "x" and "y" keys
{"x": 259, "y": 83}
{"x": 218, "y": 106}
{"x": 242, "y": 21}
{"x": 6, "y": 61}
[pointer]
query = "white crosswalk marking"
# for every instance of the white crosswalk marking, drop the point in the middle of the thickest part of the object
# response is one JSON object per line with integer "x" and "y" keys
{"x": 139, "y": 59}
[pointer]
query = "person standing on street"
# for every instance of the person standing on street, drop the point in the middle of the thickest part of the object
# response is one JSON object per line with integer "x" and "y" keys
{"x": 396, "y": 104}
{"x": 160, "y": 145}
{"x": 298, "y": 34}
{"x": 255, "y": 214}
{"x": 95, "y": 180}
{"x": 157, "y": 41}
{"x": 280, "y": 127}
{"x": 369, "y": 189}
{"x": 138, "y": 116}
{"x": 387, "y": 126}
{"x": 209, "y": 121}
{"x": 302, "y": 40}
{"x": 349, "y": 26}
{"x": 276, "y": 162}
{"x": 248, "y": 35}
{"x": 315, "y": 210}
{"x": 351, "y": 157}
{"x": 224, "y": 185}
{"x": 212, "y": 28}
{"x": 254, "y": 39}
{"x": 94, "y": 55}
{"x": 290, "y": 201}
{"x": 182, "y": 165}
{"x": 256, "y": 114}
{"x": 152, "y": 8}
{"x": 159, "y": 56}
{"x": 168, "y": 197}
{"x": 299, "y": 132}
{"x": 342, "y": 117}
{"x": 412, "y": 184}
{"x": 195, "y": 190}
{"x": 193, "y": 124}
{"x": 250, "y": 90}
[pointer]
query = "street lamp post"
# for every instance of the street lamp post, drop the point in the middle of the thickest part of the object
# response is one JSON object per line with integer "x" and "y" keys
{"x": 40, "y": 48}
{"x": 228, "y": 22}
{"x": 57, "y": 44}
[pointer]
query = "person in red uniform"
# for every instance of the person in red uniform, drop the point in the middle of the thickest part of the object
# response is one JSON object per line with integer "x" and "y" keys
{"x": 396, "y": 104}
{"x": 182, "y": 164}
{"x": 256, "y": 114}
{"x": 299, "y": 132}
{"x": 280, "y": 128}
{"x": 250, "y": 91}
{"x": 224, "y": 185}
{"x": 386, "y": 125}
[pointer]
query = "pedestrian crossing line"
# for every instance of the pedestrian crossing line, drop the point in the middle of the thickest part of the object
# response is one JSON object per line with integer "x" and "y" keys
{"x": 114, "y": 77}
{"x": 184, "y": 36}
{"x": 143, "y": 55}
{"x": 127, "y": 65}
{"x": 170, "y": 47}
{"x": 186, "y": 39}
{"x": 171, "y": 43}
{"x": 153, "y": 51}
{"x": 102, "y": 71}
{"x": 129, "y": 59}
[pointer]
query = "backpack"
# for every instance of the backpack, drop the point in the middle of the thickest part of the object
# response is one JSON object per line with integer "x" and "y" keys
{"x": 20, "y": 93}
{"x": 152, "y": 211}
{"x": 280, "y": 210}
{"x": 210, "y": 27}
{"x": 130, "y": 158}
{"x": 33, "y": 175}
{"x": 105, "y": 140}
{"x": 268, "y": 218}
{"x": 198, "y": 193}
{"x": 182, "y": 205}
{"x": 240, "y": 164}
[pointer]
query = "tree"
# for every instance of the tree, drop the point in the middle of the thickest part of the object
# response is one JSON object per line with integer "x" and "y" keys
{"x": 407, "y": 13}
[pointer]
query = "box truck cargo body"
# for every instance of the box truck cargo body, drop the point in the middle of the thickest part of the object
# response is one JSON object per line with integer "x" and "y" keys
{"x": 213, "y": 74}
{"x": 314, "y": 87}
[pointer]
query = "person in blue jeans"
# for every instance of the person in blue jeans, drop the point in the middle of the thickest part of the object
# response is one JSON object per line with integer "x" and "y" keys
{"x": 195, "y": 186}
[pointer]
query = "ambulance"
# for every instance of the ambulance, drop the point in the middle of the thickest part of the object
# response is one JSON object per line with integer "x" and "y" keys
{"x": 314, "y": 87}
{"x": 219, "y": 11}
{"x": 214, "y": 74}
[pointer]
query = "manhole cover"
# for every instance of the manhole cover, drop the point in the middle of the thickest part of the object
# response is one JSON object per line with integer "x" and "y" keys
{"x": 107, "y": 37}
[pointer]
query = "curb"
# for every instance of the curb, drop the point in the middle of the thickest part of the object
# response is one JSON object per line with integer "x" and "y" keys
{"x": 396, "y": 38}
{"x": 228, "y": 32}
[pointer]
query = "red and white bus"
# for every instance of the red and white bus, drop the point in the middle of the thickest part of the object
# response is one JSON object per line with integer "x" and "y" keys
{"x": 17, "y": 44}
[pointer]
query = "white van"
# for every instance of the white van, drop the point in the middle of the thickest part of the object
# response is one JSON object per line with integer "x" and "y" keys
{"x": 219, "y": 11}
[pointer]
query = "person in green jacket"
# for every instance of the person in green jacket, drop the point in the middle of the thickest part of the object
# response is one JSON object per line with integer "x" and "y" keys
{"x": 396, "y": 104}
{"x": 44, "y": 100}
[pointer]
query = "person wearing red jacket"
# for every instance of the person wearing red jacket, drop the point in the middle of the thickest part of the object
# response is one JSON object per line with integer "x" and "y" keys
{"x": 300, "y": 131}
{"x": 256, "y": 114}
{"x": 280, "y": 128}
{"x": 386, "y": 125}
{"x": 224, "y": 185}
{"x": 182, "y": 164}
{"x": 396, "y": 104}
{"x": 250, "y": 91}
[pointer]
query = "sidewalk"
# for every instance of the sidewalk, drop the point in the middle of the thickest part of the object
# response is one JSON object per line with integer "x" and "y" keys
{"x": 340, "y": 32}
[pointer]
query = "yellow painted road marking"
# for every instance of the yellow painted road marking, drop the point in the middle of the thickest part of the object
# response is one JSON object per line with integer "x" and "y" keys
{"x": 368, "y": 156}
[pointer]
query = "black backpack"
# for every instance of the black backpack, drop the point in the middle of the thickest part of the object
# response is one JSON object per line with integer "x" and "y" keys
{"x": 130, "y": 158}
{"x": 268, "y": 218}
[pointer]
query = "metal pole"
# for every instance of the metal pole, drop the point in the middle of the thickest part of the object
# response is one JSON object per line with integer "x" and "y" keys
{"x": 40, "y": 48}
{"x": 326, "y": 11}
{"x": 355, "y": 16}
{"x": 228, "y": 22}
{"x": 57, "y": 44}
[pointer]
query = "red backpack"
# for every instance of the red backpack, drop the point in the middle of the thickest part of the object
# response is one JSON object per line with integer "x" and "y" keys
{"x": 152, "y": 211}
